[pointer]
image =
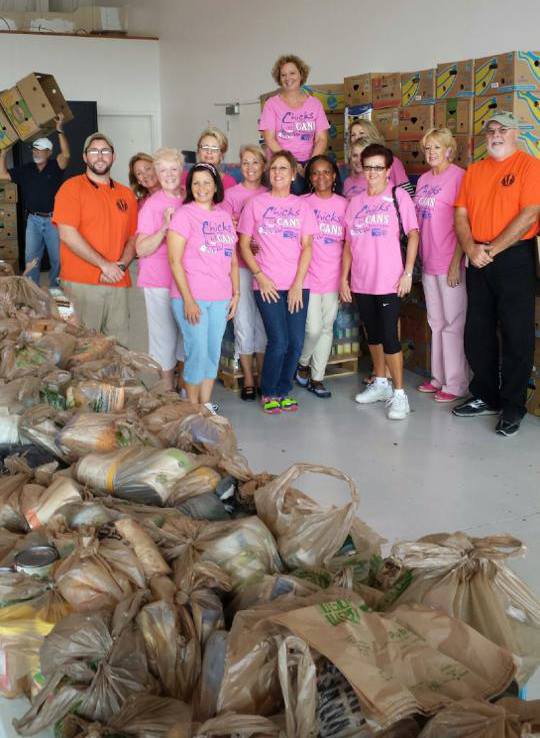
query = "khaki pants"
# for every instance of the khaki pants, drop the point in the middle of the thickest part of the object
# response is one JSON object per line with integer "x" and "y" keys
{"x": 321, "y": 314}
{"x": 102, "y": 308}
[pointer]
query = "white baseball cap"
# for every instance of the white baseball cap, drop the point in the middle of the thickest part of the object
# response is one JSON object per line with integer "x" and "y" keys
{"x": 42, "y": 143}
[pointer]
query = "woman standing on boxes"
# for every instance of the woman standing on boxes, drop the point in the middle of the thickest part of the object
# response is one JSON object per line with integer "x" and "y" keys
{"x": 211, "y": 149}
{"x": 205, "y": 290}
{"x": 250, "y": 337}
{"x": 442, "y": 267}
{"x": 164, "y": 338}
{"x": 282, "y": 226}
{"x": 379, "y": 278}
{"x": 292, "y": 120}
{"x": 365, "y": 131}
{"x": 324, "y": 272}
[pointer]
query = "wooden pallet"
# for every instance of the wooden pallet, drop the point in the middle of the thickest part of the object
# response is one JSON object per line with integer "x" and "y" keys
{"x": 232, "y": 380}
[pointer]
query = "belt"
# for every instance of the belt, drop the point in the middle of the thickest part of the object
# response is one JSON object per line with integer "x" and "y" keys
{"x": 41, "y": 215}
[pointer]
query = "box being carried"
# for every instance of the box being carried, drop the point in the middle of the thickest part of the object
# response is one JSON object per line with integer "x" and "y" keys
{"x": 502, "y": 73}
{"x": 44, "y": 99}
{"x": 525, "y": 105}
{"x": 455, "y": 79}
{"x": 455, "y": 114}
{"x": 386, "y": 90}
{"x": 415, "y": 121}
{"x": 18, "y": 114}
{"x": 358, "y": 89}
{"x": 418, "y": 88}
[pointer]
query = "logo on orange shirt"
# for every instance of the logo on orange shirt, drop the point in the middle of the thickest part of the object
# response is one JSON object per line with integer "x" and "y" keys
{"x": 508, "y": 180}
{"x": 122, "y": 205}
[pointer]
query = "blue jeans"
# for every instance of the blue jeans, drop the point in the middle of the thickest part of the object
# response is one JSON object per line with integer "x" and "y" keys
{"x": 40, "y": 232}
{"x": 202, "y": 341}
{"x": 285, "y": 332}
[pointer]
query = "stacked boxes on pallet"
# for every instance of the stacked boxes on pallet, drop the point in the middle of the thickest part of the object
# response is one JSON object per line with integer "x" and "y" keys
{"x": 415, "y": 333}
{"x": 9, "y": 248}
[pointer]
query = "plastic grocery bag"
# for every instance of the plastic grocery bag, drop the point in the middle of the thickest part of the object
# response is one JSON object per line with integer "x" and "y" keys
{"x": 98, "y": 573}
{"x": 239, "y": 726}
{"x": 308, "y": 534}
{"x": 11, "y": 490}
{"x": 140, "y": 474}
{"x": 212, "y": 670}
{"x": 19, "y": 394}
{"x": 90, "y": 347}
{"x": 41, "y": 425}
{"x": 296, "y": 670}
{"x": 88, "y": 433}
{"x": 414, "y": 660}
{"x": 19, "y": 295}
{"x": 467, "y": 578}
{"x": 339, "y": 714}
{"x": 268, "y": 588}
{"x": 31, "y": 356}
{"x": 206, "y": 433}
{"x": 48, "y": 502}
{"x": 472, "y": 718}
{"x": 92, "y": 663}
{"x": 99, "y": 397}
{"x": 201, "y": 480}
{"x": 152, "y": 562}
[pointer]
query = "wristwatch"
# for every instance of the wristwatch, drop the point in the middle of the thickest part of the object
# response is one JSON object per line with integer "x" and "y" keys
{"x": 122, "y": 266}
{"x": 407, "y": 274}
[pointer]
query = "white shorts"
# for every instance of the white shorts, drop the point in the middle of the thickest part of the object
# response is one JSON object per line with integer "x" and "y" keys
{"x": 165, "y": 343}
{"x": 249, "y": 333}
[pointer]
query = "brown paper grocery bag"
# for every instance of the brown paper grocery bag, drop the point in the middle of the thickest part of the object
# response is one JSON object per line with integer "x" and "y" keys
{"x": 416, "y": 660}
{"x": 472, "y": 719}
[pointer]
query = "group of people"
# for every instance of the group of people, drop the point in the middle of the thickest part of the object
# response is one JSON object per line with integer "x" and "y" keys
{"x": 278, "y": 251}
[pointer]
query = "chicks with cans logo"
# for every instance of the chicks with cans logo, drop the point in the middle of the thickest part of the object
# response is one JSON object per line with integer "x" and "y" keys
{"x": 425, "y": 200}
{"x": 372, "y": 218}
{"x": 284, "y": 222}
{"x": 330, "y": 226}
{"x": 297, "y": 125}
{"x": 217, "y": 237}
{"x": 355, "y": 189}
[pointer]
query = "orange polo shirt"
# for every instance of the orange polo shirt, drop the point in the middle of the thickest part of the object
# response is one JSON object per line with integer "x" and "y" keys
{"x": 494, "y": 192}
{"x": 105, "y": 215}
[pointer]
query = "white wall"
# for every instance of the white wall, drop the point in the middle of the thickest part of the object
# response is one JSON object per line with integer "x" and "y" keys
{"x": 215, "y": 50}
{"x": 121, "y": 75}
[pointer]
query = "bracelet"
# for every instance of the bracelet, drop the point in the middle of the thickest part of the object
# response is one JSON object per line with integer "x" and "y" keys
{"x": 407, "y": 274}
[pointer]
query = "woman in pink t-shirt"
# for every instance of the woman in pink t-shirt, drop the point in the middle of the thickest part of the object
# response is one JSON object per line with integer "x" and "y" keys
{"x": 442, "y": 267}
{"x": 142, "y": 176}
{"x": 324, "y": 272}
{"x": 379, "y": 279}
{"x": 249, "y": 333}
{"x": 367, "y": 132}
{"x": 204, "y": 289}
{"x": 292, "y": 120}
{"x": 211, "y": 149}
{"x": 355, "y": 183}
{"x": 164, "y": 338}
{"x": 282, "y": 226}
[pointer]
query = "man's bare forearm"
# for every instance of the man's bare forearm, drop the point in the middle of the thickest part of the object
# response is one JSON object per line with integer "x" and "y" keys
{"x": 463, "y": 229}
{"x": 128, "y": 253}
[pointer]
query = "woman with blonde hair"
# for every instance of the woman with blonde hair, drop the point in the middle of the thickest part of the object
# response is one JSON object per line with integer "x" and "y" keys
{"x": 250, "y": 336}
{"x": 212, "y": 145}
{"x": 356, "y": 183}
{"x": 442, "y": 267}
{"x": 368, "y": 133}
{"x": 142, "y": 176}
{"x": 292, "y": 120}
{"x": 164, "y": 338}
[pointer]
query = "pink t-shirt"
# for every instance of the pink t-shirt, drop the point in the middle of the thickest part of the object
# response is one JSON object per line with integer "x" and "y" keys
{"x": 294, "y": 128}
{"x": 210, "y": 243}
{"x": 234, "y": 201}
{"x": 325, "y": 268}
{"x": 154, "y": 270}
{"x": 227, "y": 179}
{"x": 354, "y": 185}
{"x": 372, "y": 229}
{"x": 434, "y": 200}
{"x": 277, "y": 224}
{"x": 397, "y": 175}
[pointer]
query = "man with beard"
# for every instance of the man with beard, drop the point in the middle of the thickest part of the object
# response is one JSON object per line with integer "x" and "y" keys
{"x": 97, "y": 220}
{"x": 39, "y": 181}
{"x": 496, "y": 220}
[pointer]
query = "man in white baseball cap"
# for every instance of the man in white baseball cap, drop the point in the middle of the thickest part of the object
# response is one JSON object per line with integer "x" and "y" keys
{"x": 39, "y": 181}
{"x": 497, "y": 220}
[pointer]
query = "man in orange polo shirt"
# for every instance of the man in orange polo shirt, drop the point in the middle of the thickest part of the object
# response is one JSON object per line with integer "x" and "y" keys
{"x": 496, "y": 219}
{"x": 97, "y": 220}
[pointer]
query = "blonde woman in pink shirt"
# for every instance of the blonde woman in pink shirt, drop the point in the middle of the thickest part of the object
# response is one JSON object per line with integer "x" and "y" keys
{"x": 164, "y": 338}
{"x": 249, "y": 333}
{"x": 367, "y": 132}
{"x": 292, "y": 120}
{"x": 355, "y": 183}
{"x": 212, "y": 146}
{"x": 442, "y": 267}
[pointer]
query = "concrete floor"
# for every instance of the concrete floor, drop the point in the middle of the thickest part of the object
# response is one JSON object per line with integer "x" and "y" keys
{"x": 430, "y": 473}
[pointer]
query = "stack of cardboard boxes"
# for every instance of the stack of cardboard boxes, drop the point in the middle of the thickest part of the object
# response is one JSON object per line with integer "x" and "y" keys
{"x": 9, "y": 248}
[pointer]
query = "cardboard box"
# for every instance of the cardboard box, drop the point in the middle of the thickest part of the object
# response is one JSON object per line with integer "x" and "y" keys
{"x": 8, "y": 192}
{"x": 415, "y": 121}
{"x": 387, "y": 122}
{"x": 502, "y": 73}
{"x": 8, "y": 216}
{"x": 524, "y": 105}
{"x": 96, "y": 19}
{"x": 332, "y": 96}
{"x": 455, "y": 114}
{"x": 386, "y": 90}
{"x": 44, "y": 99}
{"x": 337, "y": 125}
{"x": 19, "y": 114}
{"x": 265, "y": 96}
{"x": 464, "y": 155}
{"x": 455, "y": 79}
{"x": 358, "y": 89}
{"x": 418, "y": 87}
{"x": 9, "y": 249}
{"x": 8, "y": 135}
{"x": 336, "y": 148}
{"x": 412, "y": 157}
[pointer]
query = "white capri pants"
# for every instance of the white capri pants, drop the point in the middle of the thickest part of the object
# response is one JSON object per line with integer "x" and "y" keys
{"x": 165, "y": 342}
{"x": 249, "y": 333}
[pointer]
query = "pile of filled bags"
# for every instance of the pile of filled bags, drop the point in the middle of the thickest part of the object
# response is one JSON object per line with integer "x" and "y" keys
{"x": 152, "y": 584}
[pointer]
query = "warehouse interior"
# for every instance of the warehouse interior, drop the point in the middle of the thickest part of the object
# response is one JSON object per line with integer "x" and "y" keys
{"x": 176, "y": 67}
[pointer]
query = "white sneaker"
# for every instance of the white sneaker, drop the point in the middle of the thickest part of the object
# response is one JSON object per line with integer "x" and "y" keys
{"x": 398, "y": 407}
{"x": 374, "y": 392}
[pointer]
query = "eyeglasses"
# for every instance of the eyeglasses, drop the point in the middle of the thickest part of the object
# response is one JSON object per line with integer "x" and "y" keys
{"x": 213, "y": 149}
{"x": 374, "y": 169}
{"x": 493, "y": 131}
{"x": 97, "y": 152}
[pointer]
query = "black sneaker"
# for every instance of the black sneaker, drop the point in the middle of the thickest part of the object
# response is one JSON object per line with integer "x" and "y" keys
{"x": 318, "y": 389}
{"x": 303, "y": 375}
{"x": 473, "y": 408}
{"x": 507, "y": 427}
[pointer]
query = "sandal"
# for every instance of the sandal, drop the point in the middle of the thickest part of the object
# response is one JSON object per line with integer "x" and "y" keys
{"x": 271, "y": 405}
{"x": 289, "y": 405}
{"x": 248, "y": 393}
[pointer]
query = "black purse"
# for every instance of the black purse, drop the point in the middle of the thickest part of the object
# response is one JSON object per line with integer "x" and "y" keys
{"x": 404, "y": 240}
